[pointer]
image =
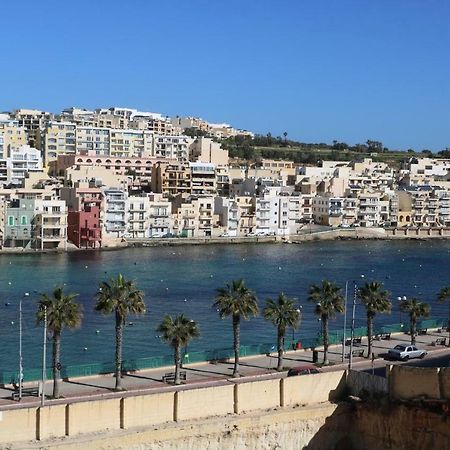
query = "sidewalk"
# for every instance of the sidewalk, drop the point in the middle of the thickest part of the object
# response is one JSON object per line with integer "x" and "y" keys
{"x": 202, "y": 373}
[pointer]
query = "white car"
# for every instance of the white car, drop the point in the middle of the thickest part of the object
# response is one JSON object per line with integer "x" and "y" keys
{"x": 405, "y": 352}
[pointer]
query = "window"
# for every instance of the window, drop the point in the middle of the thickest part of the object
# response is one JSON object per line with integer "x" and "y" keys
{"x": 23, "y": 220}
{"x": 10, "y": 221}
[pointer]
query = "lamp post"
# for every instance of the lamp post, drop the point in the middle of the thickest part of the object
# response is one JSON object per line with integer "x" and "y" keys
{"x": 352, "y": 335}
{"x": 26, "y": 294}
{"x": 298, "y": 310}
{"x": 345, "y": 322}
{"x": 400, "y": 309}
{"x": 44, "y": 358}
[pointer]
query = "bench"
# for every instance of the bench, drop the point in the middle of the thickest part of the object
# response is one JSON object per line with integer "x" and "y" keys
{"x": 439, "y": 341}
{"x": 170, "y": 376}
{"x": 356, "y": 353}
{"x": 25, "y": 391}
{"x": 384, "y": 336}
{"x": 356, "y": 341}
{"x": 422, "y": 331}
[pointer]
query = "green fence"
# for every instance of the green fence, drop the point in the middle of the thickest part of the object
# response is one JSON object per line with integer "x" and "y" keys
{"x": 82, "y": 370}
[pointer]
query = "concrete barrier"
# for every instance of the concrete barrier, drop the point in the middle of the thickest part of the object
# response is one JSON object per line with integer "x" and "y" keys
{"x": 310, "y": 389}
{"x": 18, "y": 425}
{"x": 444, "y": 382}
{"x": 98, "y": 415}
{"x": 414, "y": 382}
{"x": 262, "y": 394}
{"x": 51, "y": 421}
{"x": 205, "y": 402}
{"x": 145, "y": 410}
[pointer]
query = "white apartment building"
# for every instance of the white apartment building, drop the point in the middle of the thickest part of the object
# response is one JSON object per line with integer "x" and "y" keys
{"x": 173, "y": 147}
{"x": 115, "y": 212}
{"x": 160, "y": 215}
{"x": 328, "y": 210}
{"x": 138, "y": 217}
{"x": 93, "y": 139}
{"x": 203, "y": 178}
{"x": 22, "y": 161}
{"x": 50, "y": 224}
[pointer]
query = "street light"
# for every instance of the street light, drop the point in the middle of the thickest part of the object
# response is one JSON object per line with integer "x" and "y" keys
{"x": 352, "y": 335}
{"x": 400, "y": 309}
{"x": 298, "y": 310}
{"x": 44, "y": 357}
{"x": 26, "y": 294}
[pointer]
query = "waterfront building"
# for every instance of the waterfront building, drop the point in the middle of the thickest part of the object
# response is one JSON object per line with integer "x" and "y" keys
{"x": 160, "y": 215}
{"x": 84, "y": 214}
{"x": 50, "y": 224}
{"x": 328, "y": 210}
{"x": 115, "y": 212}
{"x": 222, "y": 181}
{"x": 138, "y": 217}
{"x": 19, "y": 230}
{"x": 226, "y": 210}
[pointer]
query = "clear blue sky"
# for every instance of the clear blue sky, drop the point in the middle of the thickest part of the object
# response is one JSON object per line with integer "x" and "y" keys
{"x": 349, "y": 70}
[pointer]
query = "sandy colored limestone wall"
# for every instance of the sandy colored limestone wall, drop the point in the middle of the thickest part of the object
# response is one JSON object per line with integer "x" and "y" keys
{"x": 205, "y": 402}
{"x": 18, "y": 425}
{"x": 412, "y": 382}
{"x": 51, "y": 421}
{"x": 312, "y": 389}
{"x": 143, "y": 410}
{"x": 99, "y": 415}
{"x": 263, "y": 394}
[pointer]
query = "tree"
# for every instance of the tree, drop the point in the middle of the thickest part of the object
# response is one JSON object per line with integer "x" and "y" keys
{"x": 283, "y": 314}
{"x": 121, "y": 297}
{"x": 236, "y": 300}
{"x": 376, "y": 300}
{"x": 443, "y": 296}
{"x": 415, "y": 309}
{"x": 178, "y": 333}
{"x": 61, "y": 312}
{"x": 329, "y": 301}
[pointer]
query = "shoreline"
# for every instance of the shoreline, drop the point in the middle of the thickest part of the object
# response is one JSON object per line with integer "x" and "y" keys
{"x": 327, "y": 235}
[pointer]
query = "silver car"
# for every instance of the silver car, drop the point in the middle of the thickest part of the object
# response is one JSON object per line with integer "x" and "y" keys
{"x": 405, "y": 352}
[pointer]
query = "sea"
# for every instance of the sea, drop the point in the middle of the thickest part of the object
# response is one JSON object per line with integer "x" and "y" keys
{"x": 185, "y": 279}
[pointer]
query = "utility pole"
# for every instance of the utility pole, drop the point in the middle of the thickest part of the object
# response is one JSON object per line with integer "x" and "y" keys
{"x": 345, "y": 322}
{"x": 26, "y": 294}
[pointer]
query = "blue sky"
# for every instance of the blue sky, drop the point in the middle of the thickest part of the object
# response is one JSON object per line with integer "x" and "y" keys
{"x": 349, "y": 70}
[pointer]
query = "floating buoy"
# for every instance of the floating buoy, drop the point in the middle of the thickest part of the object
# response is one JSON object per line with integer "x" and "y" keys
{"x": 97, "y": 332}
{"x": 185, "y": 299}
{"x": 85, "y": 267}
{"x": 12, "y": 322}
{"x": 85, "y": 349}
{"x": 9, "y": 282}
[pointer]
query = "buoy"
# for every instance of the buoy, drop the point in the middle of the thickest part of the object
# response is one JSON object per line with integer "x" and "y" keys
{"x": 85, "y": 349}
{"x": 12, "y": 322}
{"x": 279, "y": 267}
{"x": 9, "y": 282}
{"x": 85, "y": 267}
{"x": 97, "y": 332}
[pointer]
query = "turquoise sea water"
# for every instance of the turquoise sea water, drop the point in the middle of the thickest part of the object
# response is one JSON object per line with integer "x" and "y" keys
{"x": 184, "y": 279}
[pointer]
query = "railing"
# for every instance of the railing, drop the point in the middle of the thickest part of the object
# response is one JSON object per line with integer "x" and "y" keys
{"x": 152, "y": 362}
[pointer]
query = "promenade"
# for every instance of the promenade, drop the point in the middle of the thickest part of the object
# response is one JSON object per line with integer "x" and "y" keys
{"x": 206, "y": 373}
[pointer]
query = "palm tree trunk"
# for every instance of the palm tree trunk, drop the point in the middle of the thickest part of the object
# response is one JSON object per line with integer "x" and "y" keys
{"x": 177, "y": 363}
{"x": 119, "y": 339}
{"x": 56, "y": 357}
{"x": 325, "y": 338}
{"x": 280, "y": 337}
{"x": 237, "y": 343}
{"x": 448, "y": 325}
{"x": 413, "y": 329}
{"x": 369, "y": 334}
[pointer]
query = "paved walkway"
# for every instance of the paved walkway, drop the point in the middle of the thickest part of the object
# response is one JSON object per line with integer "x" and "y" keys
{"x": 204, "y": 373}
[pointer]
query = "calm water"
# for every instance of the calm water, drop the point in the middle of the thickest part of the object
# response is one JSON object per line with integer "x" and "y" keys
{"x": 184, "y": 280}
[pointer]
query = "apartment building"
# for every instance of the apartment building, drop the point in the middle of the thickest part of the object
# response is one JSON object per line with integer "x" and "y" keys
{"x": 207, "y": 151}
{"x": 138, "y": 217}
{"x": 172, "y": 178}
{"x": 374, "y": 209}
{"x": 171, "y": 147}
{"x": 160, "y": 215}
{"x": 12, "y": 137}
{"x": 56, "y": 138}
{"x": 19, "y": 226}
{"x": 32, "y": 120}
{"x": 328, "y": 210}
{"x": 115, "y": 212}
{"x": 84, "y": 226}
{"x": 203, "y": 178}
{"x": 23, "y": 160}
{"x": 93, "y": 139}
{"x": 129, "y": 143}
{"x": 50, "y": 224}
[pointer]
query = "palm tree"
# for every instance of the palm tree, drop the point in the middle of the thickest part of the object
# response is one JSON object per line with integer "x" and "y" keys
{"x": 444, "y": 295}
{"x": 376, "y": 300}
{"x": 178, "y": 333}
{"x": 121, "y": 297}
{"x": 236, "y": 300}
{"x": 416, "y": 309}
{"x": 283, "y": 314}
{"x": 329, "y": 301}
{"x": 60, "y": 311}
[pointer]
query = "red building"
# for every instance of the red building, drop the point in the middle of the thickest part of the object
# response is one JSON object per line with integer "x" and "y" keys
{"x": 84, "y": 227}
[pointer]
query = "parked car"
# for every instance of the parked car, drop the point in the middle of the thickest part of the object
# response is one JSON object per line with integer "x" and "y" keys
{"x": 405, "y": 352}
{"x": 305, "y": 369}
{"x": 157, "y": 235}
{"x": 224, "y": 235}
{"x": 168, "y": 235}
